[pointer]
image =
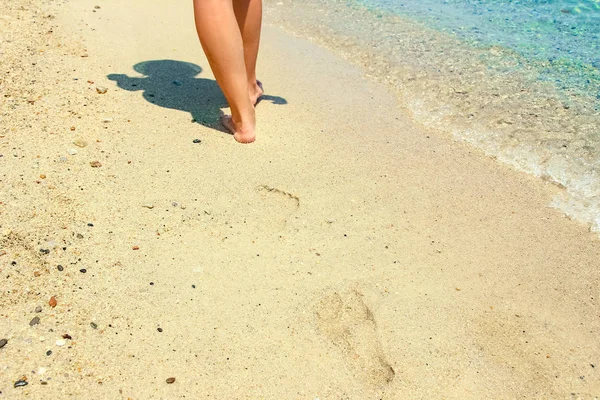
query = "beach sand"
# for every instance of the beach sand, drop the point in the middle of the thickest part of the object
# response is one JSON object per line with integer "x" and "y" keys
{"x": 347, "y": 254}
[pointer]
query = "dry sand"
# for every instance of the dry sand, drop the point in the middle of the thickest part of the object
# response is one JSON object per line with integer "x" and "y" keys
{"x": 347, "y": 254}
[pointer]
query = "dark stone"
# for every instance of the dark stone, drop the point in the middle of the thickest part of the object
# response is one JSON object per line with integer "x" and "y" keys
{"x": 34, "y": 321}
{"x": 160, "y": 329}
{"x": 90, "y": 224}
{"x": 197, "y": 141}
{"x": 79, "y": 236}
{"x": 3, "y": 342}
{"x": 83, "y": 270}
{"x": 45, "y": 251}
{"x": 49, "y": 352}
{"x": 67, "y": 336}
{"x": 21, "y": 383}
{"x": 170, "y": 380}
{"x": 94, "y": 325}
{"x": 60, "y": 268}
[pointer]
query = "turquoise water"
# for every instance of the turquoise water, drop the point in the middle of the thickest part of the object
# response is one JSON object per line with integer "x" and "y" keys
{"x": 518, "y": 79}
{"x": 564, "y": 34}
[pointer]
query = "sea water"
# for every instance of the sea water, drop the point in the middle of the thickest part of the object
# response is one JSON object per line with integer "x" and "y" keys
{"x": 519, "y": 79}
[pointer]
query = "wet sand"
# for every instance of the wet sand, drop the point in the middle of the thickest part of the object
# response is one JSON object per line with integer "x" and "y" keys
{"x": 348, "y": 253}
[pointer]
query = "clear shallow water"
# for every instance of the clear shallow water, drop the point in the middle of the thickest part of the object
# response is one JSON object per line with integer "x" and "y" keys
{"x": 562, "y": 34}
{"x": 518, "y": 79}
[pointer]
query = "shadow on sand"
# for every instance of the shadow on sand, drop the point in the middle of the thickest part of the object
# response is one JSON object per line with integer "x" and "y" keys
{"x": 173, "y": 84}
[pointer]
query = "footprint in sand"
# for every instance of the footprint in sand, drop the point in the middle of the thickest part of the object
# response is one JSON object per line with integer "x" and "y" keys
{"x": 349, "y": 324}
{"x": 274, "y": 207}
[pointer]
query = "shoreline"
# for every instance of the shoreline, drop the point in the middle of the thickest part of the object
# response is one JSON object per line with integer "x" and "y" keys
{"x": 488, "y": 96}
{"x": 349, "y": 252}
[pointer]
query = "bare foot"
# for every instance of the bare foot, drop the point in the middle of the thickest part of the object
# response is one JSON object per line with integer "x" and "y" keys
{"x": 240, "y": 134}
{"x": 255, "y": 92}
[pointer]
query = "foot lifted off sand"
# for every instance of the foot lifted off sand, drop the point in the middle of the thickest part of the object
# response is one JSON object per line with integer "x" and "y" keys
{"x": 347, "y": 321}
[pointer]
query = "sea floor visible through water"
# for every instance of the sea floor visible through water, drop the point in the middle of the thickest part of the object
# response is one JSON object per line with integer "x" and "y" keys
{"x": 530, "y": 103}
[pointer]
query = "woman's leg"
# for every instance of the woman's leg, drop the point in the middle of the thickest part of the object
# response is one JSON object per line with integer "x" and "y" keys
{"x": 222, "y": 42}
{"x": 249, "y": 18}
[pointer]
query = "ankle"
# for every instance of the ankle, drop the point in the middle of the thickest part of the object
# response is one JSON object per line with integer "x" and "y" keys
{"x": 253, "y": 86}
{"x": 244, "y": 118}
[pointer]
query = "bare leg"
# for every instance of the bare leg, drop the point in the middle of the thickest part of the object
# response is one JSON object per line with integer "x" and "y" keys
{"x": 222, "y": 43}
{"x": 249, "y": 18}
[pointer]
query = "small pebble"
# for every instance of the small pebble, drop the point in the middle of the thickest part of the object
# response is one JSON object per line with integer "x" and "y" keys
{"x": 160, "y": 329}
{"x": 95, "y": 164}
{"x": 61, "y": 342}
{"x": 197, "y": 141}
{"x": 52, "y": 302}
{"x": 42, "y": 370}
{"x": 79, "y": 236}
{"x": 34, "y": 321}
{"x": 135, "y": 248}
{"x": 80, "y": 143}
{"x": 149, "y": 206}
{"x": 97, "y": 7}
{"x": 83, "y": 270}
{"x": 193, "y": 286}
{"x": 94, "y": 325}
{"x": 174, "y": 204}
{"x": 45, "y": 251}
{"x": 3, "y": 342}
{"x": 107, "y": 120}
{"x": 38, "y": 309}
{"x": 67, "y": 336}
{"x": 72, "y": 152}
{"x": 49, "y": 353}
{"x": 60, "y": 268}
{"x": 170, "y": 380}
{"x": 90, "y": 225}
{"x": 101, "y": 89}
{"x": 21, "y": 383}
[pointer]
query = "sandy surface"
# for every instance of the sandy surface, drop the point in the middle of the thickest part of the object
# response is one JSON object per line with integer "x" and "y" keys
{"x": 347, "y": 254}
